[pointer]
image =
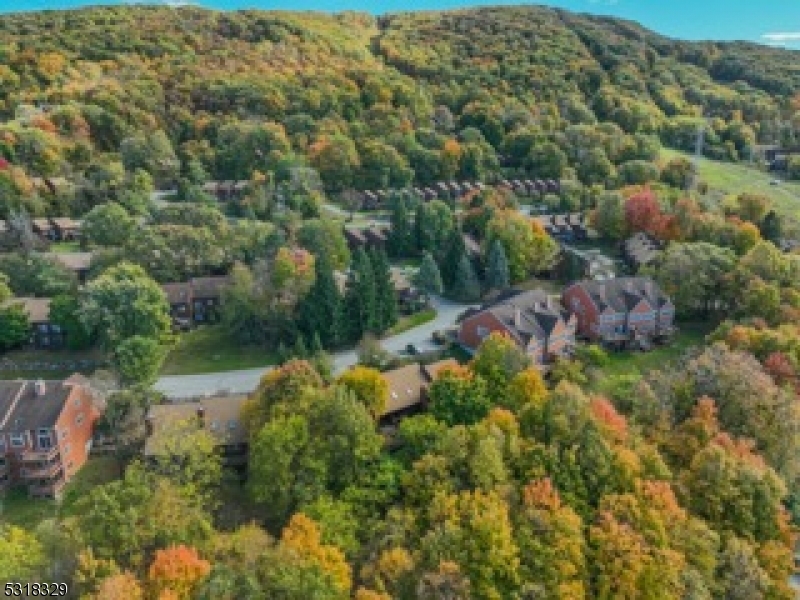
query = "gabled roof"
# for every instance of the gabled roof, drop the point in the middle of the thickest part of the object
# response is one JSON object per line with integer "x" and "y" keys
{"x": 208, "y": 287}
{"x": 406, "y": 386}
{"x": 37, "y": 309}
{"x": 177, "y": 293}
{"x": 66, "y": 223}
{"x": 624, "y": 293}
{"x": 528, "y": 315}
{"x": 74, "y": 261}
{"x": 221, "y": 418}
{"x": 21, "y": 409}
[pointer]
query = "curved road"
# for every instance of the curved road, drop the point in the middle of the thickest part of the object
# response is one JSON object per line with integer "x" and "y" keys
{"x": 245, "y": 381}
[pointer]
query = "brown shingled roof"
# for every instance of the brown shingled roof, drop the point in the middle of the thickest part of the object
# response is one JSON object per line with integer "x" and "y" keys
{"x": 37, "y": 309}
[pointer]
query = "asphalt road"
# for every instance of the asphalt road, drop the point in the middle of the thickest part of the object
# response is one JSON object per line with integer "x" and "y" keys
{"x": 241, "y": 382}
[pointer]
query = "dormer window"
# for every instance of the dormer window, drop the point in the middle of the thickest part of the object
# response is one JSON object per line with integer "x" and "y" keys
{"x": 17, "y": 440}
{"x": 232, "y": 424}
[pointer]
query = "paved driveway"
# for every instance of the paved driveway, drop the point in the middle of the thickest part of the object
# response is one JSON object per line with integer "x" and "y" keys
{"x": 246, "y": 380}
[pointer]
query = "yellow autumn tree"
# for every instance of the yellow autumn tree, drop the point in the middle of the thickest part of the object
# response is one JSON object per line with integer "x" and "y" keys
{"x": 302, "y": 536}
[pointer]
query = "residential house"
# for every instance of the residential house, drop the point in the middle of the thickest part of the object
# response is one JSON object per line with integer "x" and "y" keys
{"x": 622, "y": 312}
{"x": 45, "y": 433}
{"x": 195, "y": 301}
{"x": 408, "y": 388}
{"x": 586, "y": 264}
{"x": 373, "y": 237}
{"x": 569, "y": 227}
{"x": 207, "y": 297}
{"x": 66, "y": 229}
{"x": 179, "y": 297}
{"x": 44, "y": 334}
{"x": 410, "y": 299}
{"x": 220, "y": 416}
{"x": 225, "y": 191}
{"x": 640, "y": 250}
{"x": 44, "y": 229}
{"x": 77, "y": 262}
{"x": 536, "y": 322}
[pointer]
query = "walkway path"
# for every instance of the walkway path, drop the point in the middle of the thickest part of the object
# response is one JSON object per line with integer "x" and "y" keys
{"x": 245, "y": 381}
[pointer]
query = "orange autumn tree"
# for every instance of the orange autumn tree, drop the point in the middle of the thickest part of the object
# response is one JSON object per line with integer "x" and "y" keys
{"x": 176, "y": 571}
{"x": 302, "y": 536}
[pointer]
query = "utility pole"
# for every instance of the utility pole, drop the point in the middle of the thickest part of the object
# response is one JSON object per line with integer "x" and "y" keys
{"x": 698, "y": 154}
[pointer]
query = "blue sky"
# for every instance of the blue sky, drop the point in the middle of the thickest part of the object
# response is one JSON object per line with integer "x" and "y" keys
{"x": 705, "y": 19}
{"x": 778, "y": 20}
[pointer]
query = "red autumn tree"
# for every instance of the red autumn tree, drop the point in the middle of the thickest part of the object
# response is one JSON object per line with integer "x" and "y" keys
{"x": 643, "y": 212}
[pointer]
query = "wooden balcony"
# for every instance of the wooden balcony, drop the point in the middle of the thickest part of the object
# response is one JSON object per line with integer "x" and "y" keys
{"x": 41, "y": 470}
{"x": 48, "y": 489}
{"x": 39, "y": 455}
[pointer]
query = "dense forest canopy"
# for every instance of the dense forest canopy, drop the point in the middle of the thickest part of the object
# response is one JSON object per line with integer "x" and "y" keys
{"x": 368, "y": 102}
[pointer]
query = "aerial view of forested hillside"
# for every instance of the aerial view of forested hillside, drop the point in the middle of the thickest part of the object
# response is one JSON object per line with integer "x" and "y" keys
{"x": 496, "y": 303}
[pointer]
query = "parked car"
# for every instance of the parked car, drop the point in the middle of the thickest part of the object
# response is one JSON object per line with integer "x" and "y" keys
{"x": 412, "y": 350}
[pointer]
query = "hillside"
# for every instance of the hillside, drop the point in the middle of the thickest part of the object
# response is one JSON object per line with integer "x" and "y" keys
{"x": 369, "y": 103}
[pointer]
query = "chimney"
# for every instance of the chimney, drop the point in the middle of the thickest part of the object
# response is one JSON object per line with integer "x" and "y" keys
{"x": 517, "y": 317}
{"x": 201, "y": 415}
{"x": 39, "y": 388}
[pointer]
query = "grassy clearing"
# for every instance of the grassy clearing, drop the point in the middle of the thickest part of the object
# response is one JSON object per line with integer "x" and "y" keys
{"x": 18, "y": 509}
{"x": 411, "y": 321}
{"x": 65, "y": 247}
{"x": 640, "y": 363}
{"x": 211, "y": 348}
{"x": 735, "y": 178}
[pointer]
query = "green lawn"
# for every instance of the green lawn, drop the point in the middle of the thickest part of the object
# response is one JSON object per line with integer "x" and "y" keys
{"x": 640, "y": 363}
{"x": 65, "y": 247}
{"x": 411, "y": 321}
{"x": 18, "y": 509}
{"x": 735, "y": 178}
{"x": 209, "y": 349}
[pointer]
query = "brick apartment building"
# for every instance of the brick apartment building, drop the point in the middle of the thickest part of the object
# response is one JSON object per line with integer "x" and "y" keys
{"x": 45, "y": 433}
{"x": 624, "y": 312}
{"x": 536, "y": 322}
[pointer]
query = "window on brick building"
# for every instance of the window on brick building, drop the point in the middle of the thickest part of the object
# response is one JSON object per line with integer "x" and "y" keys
{"x": 17, "y": 440}
{"x": 79, "y": 419}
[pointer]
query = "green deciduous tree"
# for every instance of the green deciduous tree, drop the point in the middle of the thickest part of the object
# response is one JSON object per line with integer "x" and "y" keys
{"x": 108, "y": 225}
{"x": 14, "y": 327}
{"x": 124, "y": 302}
{"x": 459, "y": 397}
{"x": 527, "y": 246}
{"x": 138, "y": 359}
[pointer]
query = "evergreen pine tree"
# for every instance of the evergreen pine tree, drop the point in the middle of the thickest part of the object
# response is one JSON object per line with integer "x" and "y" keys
{"x": 466, "y": 288}
{"x": 321, "y": 311}
{"x": 385, "y": 298}
{"x": 282, "y": 353}
{"x": 299, "y": 350}
{"x": 454, "y": 250}
{"x": 400, "y": 243}
{"x": 316, "y": 345}
{"x": 422, "y": 237}
{"x": 497, "y": 275}
{"x": 360, "y": 296}
{"x": 428, "y": 278}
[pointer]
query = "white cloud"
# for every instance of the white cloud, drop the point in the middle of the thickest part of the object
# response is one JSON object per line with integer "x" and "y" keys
{"x": 783, "y": 37}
